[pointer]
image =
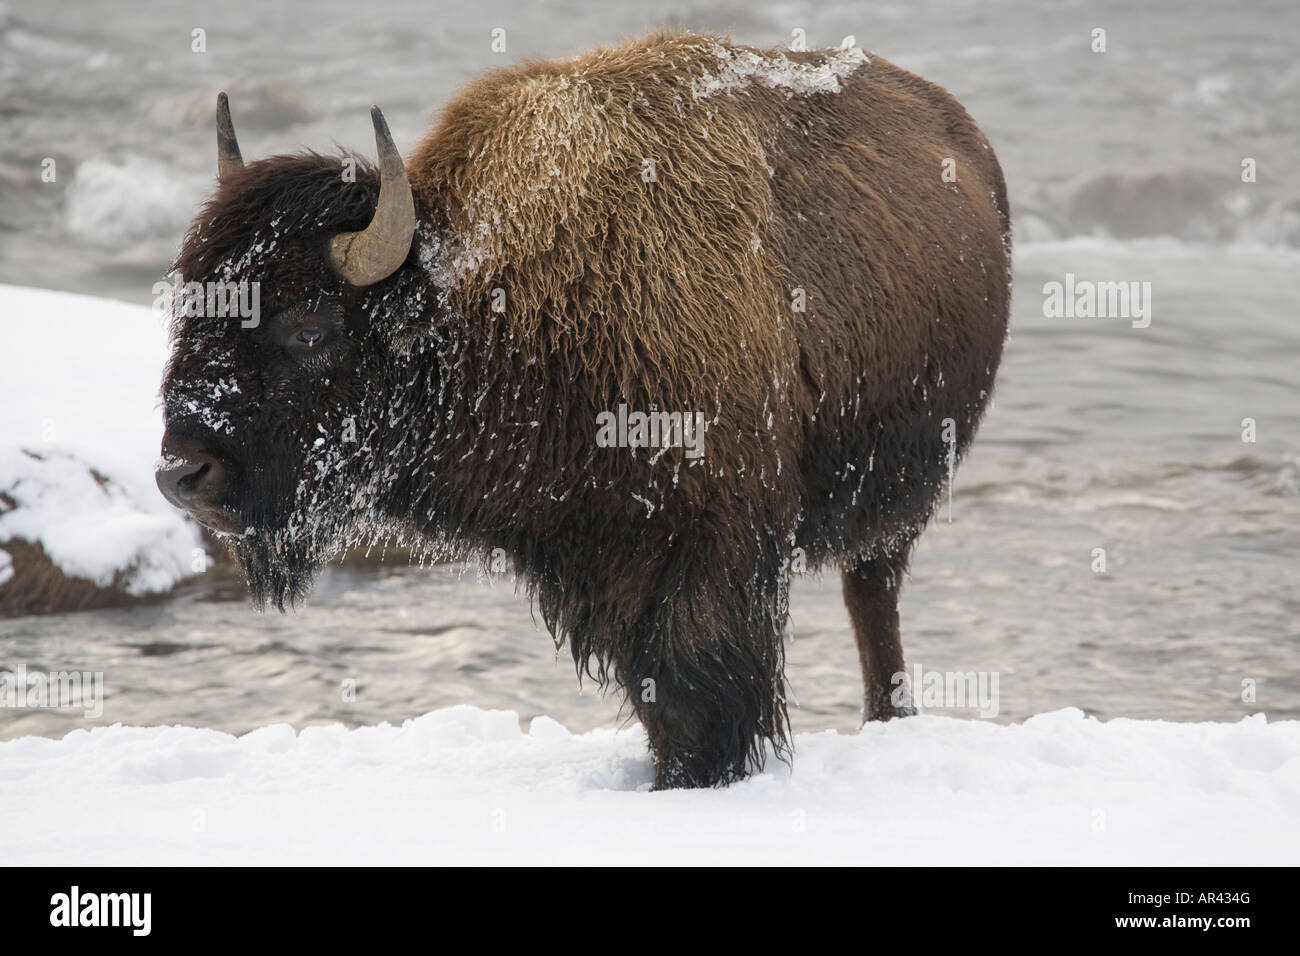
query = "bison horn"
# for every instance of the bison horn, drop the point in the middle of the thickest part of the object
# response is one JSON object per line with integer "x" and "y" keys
{"x": 228, "y": 158}
{"x": 364, "y": 258}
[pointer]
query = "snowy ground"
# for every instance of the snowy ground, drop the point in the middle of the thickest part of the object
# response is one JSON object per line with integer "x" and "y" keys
{"x": 468, "y": 786}
{"x": 80, "y": 429}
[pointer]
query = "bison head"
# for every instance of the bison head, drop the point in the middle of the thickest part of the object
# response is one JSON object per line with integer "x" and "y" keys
{"x": 284, "y": 354}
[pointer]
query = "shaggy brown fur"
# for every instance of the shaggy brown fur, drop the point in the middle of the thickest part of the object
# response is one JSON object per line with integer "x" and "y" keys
{"x": 756, "y": 194}
{"x": 776, "y": 176}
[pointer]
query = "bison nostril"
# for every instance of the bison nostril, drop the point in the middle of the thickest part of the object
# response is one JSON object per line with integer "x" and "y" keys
{"x": 187, "y": 483}
{"x": 183, "y": 483}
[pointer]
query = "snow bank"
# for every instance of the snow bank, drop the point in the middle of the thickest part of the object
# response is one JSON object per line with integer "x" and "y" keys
{"x": 80, "y": 429}
{"x": 467, "y": 786}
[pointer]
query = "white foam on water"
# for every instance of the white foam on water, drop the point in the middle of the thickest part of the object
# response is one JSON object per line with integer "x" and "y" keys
{"x": 130, "y": 199}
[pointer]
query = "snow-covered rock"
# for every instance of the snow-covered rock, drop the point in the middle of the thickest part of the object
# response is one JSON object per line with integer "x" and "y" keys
{"x": 80, "y": 428}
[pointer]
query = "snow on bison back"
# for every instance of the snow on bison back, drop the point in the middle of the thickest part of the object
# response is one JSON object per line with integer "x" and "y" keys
{"x": 653, "y": 325}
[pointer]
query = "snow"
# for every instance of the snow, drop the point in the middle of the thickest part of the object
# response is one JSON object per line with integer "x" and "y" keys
{"x": 737, "y": 69}
{"x": 79, "y": 436}
{"x": 465, "y": 785}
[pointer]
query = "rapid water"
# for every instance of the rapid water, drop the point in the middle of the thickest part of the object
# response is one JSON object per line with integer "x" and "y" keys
{"x": 1102, "y": 435}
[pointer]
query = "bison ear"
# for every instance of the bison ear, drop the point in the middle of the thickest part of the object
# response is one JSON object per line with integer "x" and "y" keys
{"x": 366, "y": 257}
{"x": 229, "y": 159}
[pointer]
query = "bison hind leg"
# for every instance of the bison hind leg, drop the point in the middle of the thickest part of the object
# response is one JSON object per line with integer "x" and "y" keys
{"x": 871, "y": 588}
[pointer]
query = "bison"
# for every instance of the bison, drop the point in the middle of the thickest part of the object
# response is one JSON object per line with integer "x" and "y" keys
{"x": 656, "y": 327}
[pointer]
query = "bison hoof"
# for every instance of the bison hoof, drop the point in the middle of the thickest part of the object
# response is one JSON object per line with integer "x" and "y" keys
{"x": 882, "y": 707}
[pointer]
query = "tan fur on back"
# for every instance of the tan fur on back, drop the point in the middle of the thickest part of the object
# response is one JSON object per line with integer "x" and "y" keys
{"x": 665, "y": 284}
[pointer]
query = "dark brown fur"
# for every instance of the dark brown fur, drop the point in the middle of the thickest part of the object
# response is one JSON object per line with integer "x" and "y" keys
{"x": 824, "y": 441}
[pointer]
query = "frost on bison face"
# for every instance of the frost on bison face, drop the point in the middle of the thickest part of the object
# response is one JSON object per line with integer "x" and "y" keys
{"x": 478, "y": 351}
{"x": 276, "y": 397}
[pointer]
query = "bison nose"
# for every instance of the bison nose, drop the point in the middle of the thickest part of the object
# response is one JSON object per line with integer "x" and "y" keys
{"x": 193, "y": 480}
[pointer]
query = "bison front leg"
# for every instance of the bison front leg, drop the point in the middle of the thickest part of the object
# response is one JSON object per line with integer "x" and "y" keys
{"x": 703, "y": 671}
{"x": 871, "y": 593}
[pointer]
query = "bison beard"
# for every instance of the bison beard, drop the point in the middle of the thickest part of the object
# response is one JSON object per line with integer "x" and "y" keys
{"x": 289, "y": 539}
{"x": 279, "y": 570}
{"x": 681, "y": 223}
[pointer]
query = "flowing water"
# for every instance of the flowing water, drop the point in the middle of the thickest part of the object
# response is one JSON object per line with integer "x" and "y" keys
{"x": 1123, "y": 165}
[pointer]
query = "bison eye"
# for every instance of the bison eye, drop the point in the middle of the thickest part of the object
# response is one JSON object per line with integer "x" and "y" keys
{"x": 304, "y": 330}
